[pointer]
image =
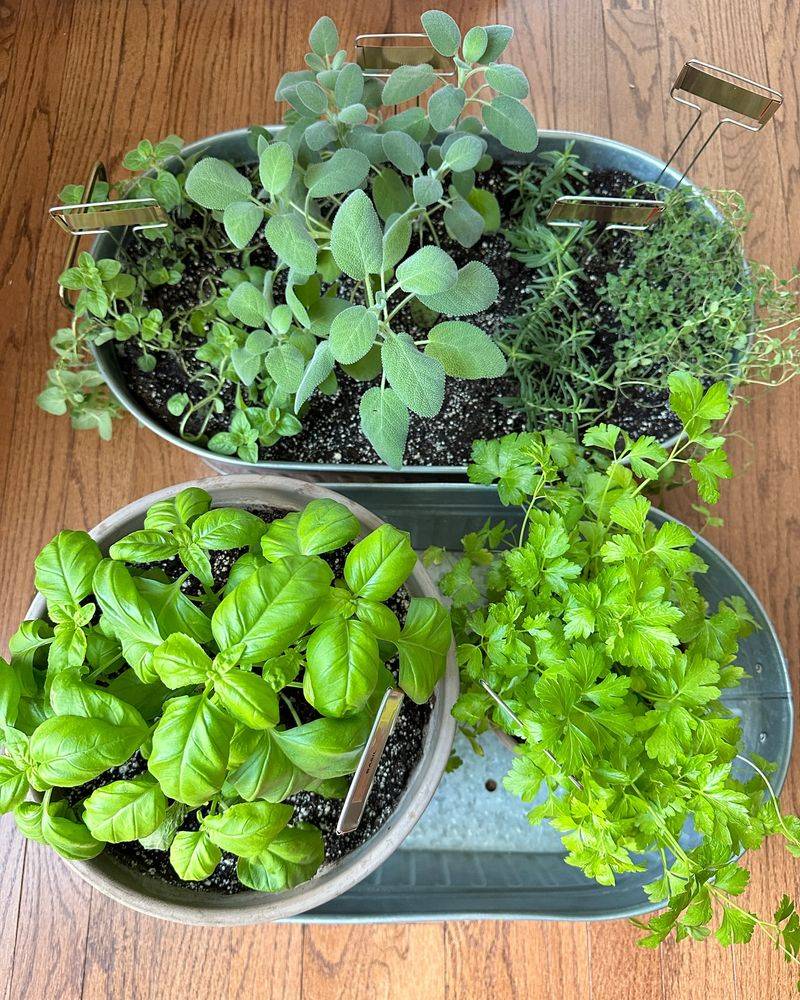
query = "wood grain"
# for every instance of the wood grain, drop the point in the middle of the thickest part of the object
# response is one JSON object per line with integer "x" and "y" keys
{"x": 79, "y": 78}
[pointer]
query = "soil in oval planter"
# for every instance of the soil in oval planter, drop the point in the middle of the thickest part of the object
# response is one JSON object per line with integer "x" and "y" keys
{"x": 471, "y": 410}
{"x": 402, "y": 754}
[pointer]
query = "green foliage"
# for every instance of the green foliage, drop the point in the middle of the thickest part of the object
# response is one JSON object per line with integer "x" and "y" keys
{"x": 681, "y": 298}
{"x": 209, "y": 688}
{"x": 589, "y": 625}
{"x": 346, "y": 189}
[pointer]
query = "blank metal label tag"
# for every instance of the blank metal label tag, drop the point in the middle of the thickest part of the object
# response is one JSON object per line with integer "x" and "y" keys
{"x": 379, "y": 55}
{"x": 93, "y": 218}
{"x": 615, "y": 213}
{"x": 745, "y": 97}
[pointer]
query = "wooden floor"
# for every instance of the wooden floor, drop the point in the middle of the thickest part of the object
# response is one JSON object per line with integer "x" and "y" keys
{"x": 91, "y": 77}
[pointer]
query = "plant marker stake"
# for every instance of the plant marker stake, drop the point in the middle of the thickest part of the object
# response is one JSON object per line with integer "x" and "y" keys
{"x": 379, "y": 55}
{"x": 516, "y": 719}
{"x": 91, "y": 218}
{"x": 627, "y": 214}
{"x": 361, "y": 785}
{"x": 755, "y": 101}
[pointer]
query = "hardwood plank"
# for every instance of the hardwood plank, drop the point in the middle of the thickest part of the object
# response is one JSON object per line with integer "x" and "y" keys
{"x": 51, "y": 933}
{"x": 133, "y": 957}
{"x": 636, "y": 93}
{"x": 373, "y": 962}
{"x": 619, "y": 967}
{"x": 580, "y": 87}
{"x": 12, "y": 855}
{"x": 532, "y": 48}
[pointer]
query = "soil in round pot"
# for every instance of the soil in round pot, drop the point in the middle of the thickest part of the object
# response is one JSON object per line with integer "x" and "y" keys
{"x": 313, "y": 803}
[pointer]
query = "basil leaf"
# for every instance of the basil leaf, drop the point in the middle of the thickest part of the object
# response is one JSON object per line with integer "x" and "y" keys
{"x": 193, "y": 855}
{"x": 71, "y": 696}
{"x": 325, "y": 525}
{"x": 70, "y": 750}
{"x": 181, "y": 509}
{"x": 271, "y": 609}
{"x": 195, "y": 559}
{"x": 65, "y": 567}
{"x": 246, "y": 828}
{"x": 13, "y": 785}
{"x": 326, "y": 748}
{"x": 190, "y": 749}
{"x": 127, "y": 616}
{"x": 248, "y": 698}
{"x": 144, "y": 547}
{"x": 70, "y": 839}
{"x": 423, "y": 646}
{"x": 180, "y": 662}
{"x": 227, "y": 528}
{"x": 342, "y": 667}
{"x": 292, "y": 857}
{"x": 380, "y": 620}
{"x": 125, "y": 810}
{"x": 174, "y": 610}
{"x": 265, "y": 772}
{"x": 280, "y": 539}
{"x": 10, "y": 693}
{"x": 380, "y": 563}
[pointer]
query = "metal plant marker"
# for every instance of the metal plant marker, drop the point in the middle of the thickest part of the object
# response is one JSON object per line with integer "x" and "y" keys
{"x": 753, "y": 101}
{"x": 628, "y": 214}
{"x": 380, "y": 55}
{"x": 91, "y": 218}
{"x": 517, "y": 721}
{"x": 361, "y": 785}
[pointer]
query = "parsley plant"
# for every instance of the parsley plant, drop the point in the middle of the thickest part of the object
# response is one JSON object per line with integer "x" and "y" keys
{"x": 590, "y": 627}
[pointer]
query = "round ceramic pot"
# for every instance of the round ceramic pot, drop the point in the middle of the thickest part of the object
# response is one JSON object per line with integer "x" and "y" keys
{"x": 594, "y": 152}
{"x": 174, "y": 902}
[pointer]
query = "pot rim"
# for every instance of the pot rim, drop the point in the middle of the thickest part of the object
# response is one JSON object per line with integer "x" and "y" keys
{"x": 220, "y": 463}
{"x": 182, "y": 905}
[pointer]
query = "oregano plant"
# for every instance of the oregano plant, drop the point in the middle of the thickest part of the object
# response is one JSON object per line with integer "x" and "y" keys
{"x": 323, "y": 257}
{"x": 589, "y": 625}
{"x": 181, "y": 710}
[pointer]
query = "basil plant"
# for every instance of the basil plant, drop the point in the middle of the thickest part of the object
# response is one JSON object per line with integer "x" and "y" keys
{"x": 207, "y": 680}
{"x": 329, "y": 250}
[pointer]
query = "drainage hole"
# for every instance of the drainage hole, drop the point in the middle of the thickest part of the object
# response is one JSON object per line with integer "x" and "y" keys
{"x": 491, "y": 785}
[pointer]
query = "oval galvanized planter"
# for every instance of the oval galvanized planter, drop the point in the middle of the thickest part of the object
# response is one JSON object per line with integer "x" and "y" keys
{"x": 173, "y": 902}
{"x": 593, "y": 151}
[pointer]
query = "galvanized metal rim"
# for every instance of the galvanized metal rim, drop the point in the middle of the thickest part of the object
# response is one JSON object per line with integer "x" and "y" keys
{"x": 125, "y": 397}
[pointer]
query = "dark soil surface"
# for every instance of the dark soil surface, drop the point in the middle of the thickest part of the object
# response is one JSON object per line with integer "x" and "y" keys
{"x": 403, "y": 752}
{"x": 471, "y": 410}
{"x": 641, "y": 410}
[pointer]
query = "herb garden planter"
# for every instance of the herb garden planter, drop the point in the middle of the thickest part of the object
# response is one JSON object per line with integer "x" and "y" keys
{"x": 155, "y": 896}
{"x": 594, "y": 152}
